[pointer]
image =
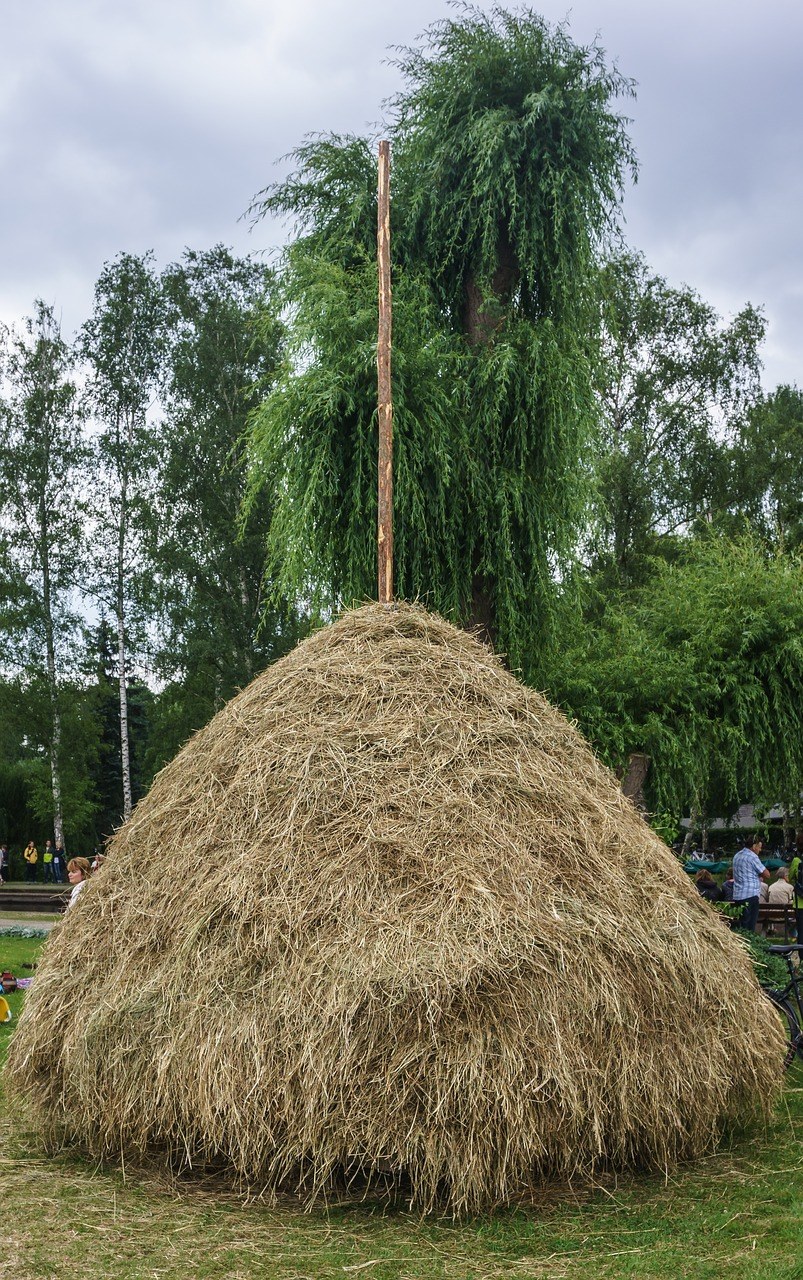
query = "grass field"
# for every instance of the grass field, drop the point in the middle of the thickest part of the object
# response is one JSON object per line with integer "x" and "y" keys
{"x": 737, "y": 1214}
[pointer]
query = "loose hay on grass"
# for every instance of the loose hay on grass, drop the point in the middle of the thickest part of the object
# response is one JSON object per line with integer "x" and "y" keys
{"x": 388, "y": 911}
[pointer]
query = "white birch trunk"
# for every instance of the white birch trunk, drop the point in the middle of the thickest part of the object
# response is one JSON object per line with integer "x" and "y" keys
{"x": 55, "y": 748}
{"x": 694, "y": 817}
{"x": 52, "y": 684}
{"x": 125, "y": 759}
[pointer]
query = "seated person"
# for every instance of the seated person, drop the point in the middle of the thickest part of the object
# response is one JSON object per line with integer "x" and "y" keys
{"x": 780, "y": 892}
{"x": 707, "y": 886}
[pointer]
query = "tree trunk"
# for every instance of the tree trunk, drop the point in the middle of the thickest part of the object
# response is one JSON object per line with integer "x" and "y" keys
{"x": 788, "y": 829}
{"x": 52, "y": 684}
{"x": 125, "y": 761}
{"x": 481, "y": 618}
{"x": 55, "y": 735}
{"x": 638, "y": 765}
{"x": 248, "y": 613}
{"x": 483, "y": 314}
{"x": 688, "y": 838}
{"x": 55, "y": 774}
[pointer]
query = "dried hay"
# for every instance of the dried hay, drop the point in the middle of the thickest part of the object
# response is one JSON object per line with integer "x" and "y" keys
{"x": 388, "y": 911}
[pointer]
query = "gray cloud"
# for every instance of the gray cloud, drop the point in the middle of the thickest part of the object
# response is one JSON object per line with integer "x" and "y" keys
{"x": 152, "y": 125}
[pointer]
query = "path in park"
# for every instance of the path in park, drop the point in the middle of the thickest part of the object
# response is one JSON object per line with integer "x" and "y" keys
{"x": 11, "y": 917}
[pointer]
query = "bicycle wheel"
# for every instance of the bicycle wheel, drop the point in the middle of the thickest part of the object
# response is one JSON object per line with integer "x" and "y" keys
{"x": 789, "y": 1015}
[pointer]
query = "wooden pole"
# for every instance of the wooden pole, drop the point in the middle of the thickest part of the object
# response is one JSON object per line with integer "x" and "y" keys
{"x": 385, "y": 397}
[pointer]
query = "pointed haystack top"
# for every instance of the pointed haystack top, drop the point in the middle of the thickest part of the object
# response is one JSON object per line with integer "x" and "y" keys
{"x": 387, "y": 907}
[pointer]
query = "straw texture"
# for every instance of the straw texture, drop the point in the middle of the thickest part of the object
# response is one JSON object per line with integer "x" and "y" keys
{"x": 388, "y": 911}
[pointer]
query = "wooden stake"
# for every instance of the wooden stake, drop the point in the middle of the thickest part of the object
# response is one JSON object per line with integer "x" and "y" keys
{"x": 385, "y": 396}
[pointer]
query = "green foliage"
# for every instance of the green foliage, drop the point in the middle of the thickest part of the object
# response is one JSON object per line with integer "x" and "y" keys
{"x": 76, "y": 763}
{"x": 665, "y": 826}
{"x": 508, "y": 164}
{"x": 671, "y": 378}
{"x": 42, "y": 461}
{"x": 702, "y": 668}
{"x": 138, "y": 518}
{"x": 122, "y": 344}
{"x": 26, "y": 793}
{"x": 766, "y": 472}
{"x": 17, "y": 819}
{"x": 223, "y": 342}
{"x": 101, "y": 697}
{"x": 315, "y": 437}
{"x": 120, "y": 341}
{"x": 509, "y": 158}
{"x": 727, "y": 909}
{"x": 770, "y": 969}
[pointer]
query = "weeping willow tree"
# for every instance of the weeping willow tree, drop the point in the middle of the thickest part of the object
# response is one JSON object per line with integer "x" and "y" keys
{"x": 509, "y": 159}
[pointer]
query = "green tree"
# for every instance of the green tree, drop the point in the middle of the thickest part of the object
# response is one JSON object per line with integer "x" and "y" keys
{"x": 508, "y": 165}
{"x": 42, "y": 459}
{"x": 672, "y": 380}
{"x": 223, "y": 346}
{"x": 28, "y": 708}
{"x": 702, "y": 668}
{"x": 766, "y": 472}
{"x": 101, "y": 699}
{"x": 122, "y": 344}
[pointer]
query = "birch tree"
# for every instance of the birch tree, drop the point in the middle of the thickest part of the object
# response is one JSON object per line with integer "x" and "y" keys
{"x": 673, "y": 381}
{"x": 223, "y": 346}
{"x": 42, "y": 456}
{"x": 121, "y": 343}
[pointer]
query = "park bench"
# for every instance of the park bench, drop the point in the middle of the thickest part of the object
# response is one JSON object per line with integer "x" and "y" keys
{"x": 771, "y": 914}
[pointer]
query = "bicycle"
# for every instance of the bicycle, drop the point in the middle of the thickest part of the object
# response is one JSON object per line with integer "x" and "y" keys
{"x": 781, "y": 998}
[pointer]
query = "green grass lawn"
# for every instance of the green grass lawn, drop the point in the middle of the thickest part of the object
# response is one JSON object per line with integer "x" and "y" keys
{"x": 737, "y": 1214}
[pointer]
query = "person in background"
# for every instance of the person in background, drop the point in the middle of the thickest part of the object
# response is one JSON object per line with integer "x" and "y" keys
{"x": 748, "y": 873}
{"x": 3, "y": 863}
{"x": 47, "y": 863}
{"x": 31, "y": 855}
{"x": 707, "y": 886}
{"x": 780, "y": 894}
{"x": 727, "y": 886}
{"x": 59, "y": 863}
{"x": 78, "y": 872}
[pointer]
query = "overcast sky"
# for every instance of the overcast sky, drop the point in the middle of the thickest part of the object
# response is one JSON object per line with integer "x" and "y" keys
{"x": 150, "y": 124}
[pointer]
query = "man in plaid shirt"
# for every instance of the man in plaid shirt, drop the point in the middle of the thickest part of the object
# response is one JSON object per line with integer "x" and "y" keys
{"x": 748, "y": 872}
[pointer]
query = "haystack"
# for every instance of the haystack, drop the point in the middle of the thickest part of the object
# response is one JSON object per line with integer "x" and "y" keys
{"x": 388, "y": 911}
